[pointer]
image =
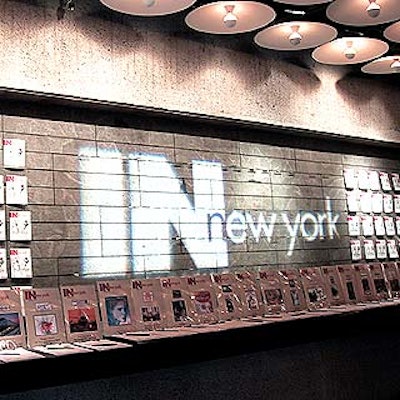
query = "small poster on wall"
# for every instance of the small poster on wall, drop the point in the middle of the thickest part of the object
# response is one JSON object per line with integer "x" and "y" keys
{"x": 369, "y": 249}
{"x": 374, "y": 182}
{"x": 377, "y": 203}
{"x": 352, "y": 202}
{"x": 398, "y": 225}
{"x": 2, "y": 200}
{"x": 396, "y": 200}
{"x": 355, "y": 247}
{"x": 385, "y": 181}
{"x": 363, "y": 179}
{"x": 396, "y": 182}
{"x": 21, "y": 263}
{"x": 392, "y": 249}
{"x": 14, "y": 153}
{"x": 387, "y": 203}
{"x": 381, "y": 249}
{"x": 350, "y": 178}
{"x": 20, "y": 226}
{"x": 366, "y": 202}
{"x": 16, "y": 189}
{"x": 367, "y": 225}
{"x": 3, "y": 264}
{"x": 389, "y": 225}
{"x": 2, "y": 225}
{"x": 353, "y": 222}
{"x": 379, "y": 225}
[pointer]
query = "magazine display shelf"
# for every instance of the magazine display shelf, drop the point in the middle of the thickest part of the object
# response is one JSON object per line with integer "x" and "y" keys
{"x": 168, "y": 349}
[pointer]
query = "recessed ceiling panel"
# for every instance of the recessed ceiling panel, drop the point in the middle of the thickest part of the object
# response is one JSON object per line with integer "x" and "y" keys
{"x": 228, "y": 17}
{"x": 296, "y": 35}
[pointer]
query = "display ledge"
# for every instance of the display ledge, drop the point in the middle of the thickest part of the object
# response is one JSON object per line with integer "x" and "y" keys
{"x": 145, "y": 351}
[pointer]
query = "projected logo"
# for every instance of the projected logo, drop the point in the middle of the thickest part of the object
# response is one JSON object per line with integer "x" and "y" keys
{"x": 133, "y": 212}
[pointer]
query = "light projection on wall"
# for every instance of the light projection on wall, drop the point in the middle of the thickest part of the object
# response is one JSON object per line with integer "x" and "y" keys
{"x": 135, "y": 208}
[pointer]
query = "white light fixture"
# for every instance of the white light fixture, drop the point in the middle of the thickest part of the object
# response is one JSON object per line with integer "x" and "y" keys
{"x": 392, "y": 32}
{"x": 383, "y": 65}
{"x": 373, "y": 9}
{"x": 350, "y": 50}
{"x": 363, "y": 12}
{"x": 295, "y": 37}
{"x": 148, "y": 8}
{"x": 230, "y": 19}
{"x": 303, "y": 2}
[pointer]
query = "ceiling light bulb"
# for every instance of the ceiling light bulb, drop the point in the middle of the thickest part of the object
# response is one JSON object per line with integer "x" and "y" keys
{"x": 350, "y": 52}
{"x": 230, "y": 18}
{"x": 149, "y": 3}
{"x": 295, "y": 37}
{"x": 373, "y": 9}
{"x": 395, "y": 64}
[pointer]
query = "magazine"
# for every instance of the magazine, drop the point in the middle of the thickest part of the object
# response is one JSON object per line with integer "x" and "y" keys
{"x": 81, "y": 313}
{"x": 293, "y": 292}
{"x": 393, "y": 278}
{"x": 14, "y": 153}
{"x": 314, "y": 288}
{"x": 272, "y": 291}
{"x": 43, "y": 315}
{"x": 348, "y": 277}
{"x": 380, "y": 282}
{"x": 365, "y": 284}
{"x": 334, "y": 285}
{"x": 250, "y": 293}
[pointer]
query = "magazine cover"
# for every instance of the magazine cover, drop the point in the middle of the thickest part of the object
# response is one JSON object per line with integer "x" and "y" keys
{"x": 355, "y": 250}
{"x": 374, "y": 181}
{"x": 381, "y": 249}
{"x": 3, "y": 264}
{"x": 380, "y": 282}
{"x": 350, "y": 178}
{"x": 369, "y": 249}
{"x": 393, "y": 278}
{"x": 367, "y": 223}
{"x": 21, "y": 263}
{"x": 271, "y": 291}
{"x": 2, "y": 191}
{"x": 348, "y": 277}
{"x": 389, "y": 225}
{"x": 118, "y": 312}
{"x": 353, "y": 223}
{"x": 12, "y": 330}
{"x": 16, "y": 189}
{"x": 176, "y": 302}
{"x": 2, "y": 225}
{"x": 387, "y": 203}
{"x": 293, "y": 291}
{"x": 385, "y": 181}
{"x": 148, "y": 299}
{"x": 352, "y": 202}
{"x": 250, "y": 293}
{"x": 392, "y": 249}
{"x": 20, "y": 226}
{"x": 334, "y": 285}
{"x": 396, "y": 201}
{"x": 365, "y": 284}
{"x": 81, "y": 312}
{"x": 366, "y": 202}
{"x": 230, "y": 303}
{"x": 14, "y": 153}
{"x": 43, "y": 315}
{"x": 397, "y": 221}
{"x": 363, "y": 179}
{"x": 377, "y": 203}
{"x": 396, "y": 182}
{"x": 203, "y": 298}
{"x": 379, "y": 225}
{"x": 314, "y": 288}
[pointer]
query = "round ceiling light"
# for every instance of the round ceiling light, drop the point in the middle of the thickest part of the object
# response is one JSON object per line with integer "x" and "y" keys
{"x": 148, "y": 8}
{"x": 297, "y": 35}
{"x": 392, "y": 32}
{"x": 350, "y": 50}
{"x": 228, "y": 17}
{"x": 303, "y": 2}
{"x": 384, "y": 65}
{"x": 363, "y": 12}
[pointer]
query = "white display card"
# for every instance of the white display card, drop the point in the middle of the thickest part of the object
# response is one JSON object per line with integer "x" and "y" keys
{"x": 14, "y": 153}
{"x": 3, "y": 264}
{"x": 2, "y": 200}
{"x": 396, "y": 182}
{"x": 352, "y": 202}
{"x": 392, "y": 249}
{"x": 355, "y": 248}
{"x": 353, "y": 222}
{"x": 379, "y": 225}
{"x": 366, "y": 202}
{"x": 381, "y": 249}
{"x": 369, "y": 249}
{"x": 367, "y": 223}
{"x": 387, "y": 203}
{"x": 350, "y": 178}
{"x": 16, "y": 189}
{"x": 396, "y": 201}
{"x": 363, "y": 179}
{"x": 398, "y": 225}
{"x": 21, "y": 263}
{"x": 2, "y": 225}
{"x": 20, "y": 225}
{"x": 385, "y": 181}
{"x": 374, "y": 182}
{"x": 389, "y": 225}
{"x": 377, "y": 203}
